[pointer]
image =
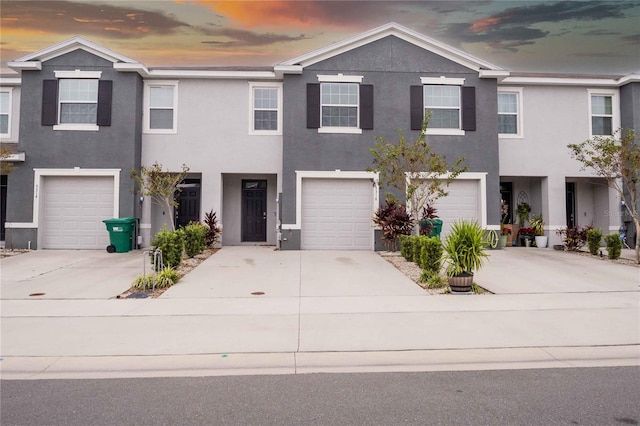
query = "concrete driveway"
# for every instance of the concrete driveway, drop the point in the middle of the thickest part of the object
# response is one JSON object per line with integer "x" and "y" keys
{"x": 68, "y": 274}
{"x": 241, "y": 271}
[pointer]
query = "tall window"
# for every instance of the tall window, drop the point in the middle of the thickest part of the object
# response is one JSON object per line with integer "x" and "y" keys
{"x": 444, "y": 104}
{"x": 5, "y": 105}
{"x": 161, "y": 107}
{"x": 266, "y": 103}
{"x": 509, "y": 114}
{"x": 601, "y": 115}
{"x": 339, "y": 104}
{"x": 78, "y": 101}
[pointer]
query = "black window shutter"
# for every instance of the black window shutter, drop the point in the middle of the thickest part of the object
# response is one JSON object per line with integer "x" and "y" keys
{"x": 417, "y": 107}
{"x": 105, "y": 87}
{"x": 366, "y": 106}
{"x": 313, "y": 106}
{"x": 49, "y": 102}
{"x": 469, "y": 108}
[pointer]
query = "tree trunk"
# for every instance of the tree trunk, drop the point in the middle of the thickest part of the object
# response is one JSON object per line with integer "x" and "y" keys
{"x": 636, "y": 222}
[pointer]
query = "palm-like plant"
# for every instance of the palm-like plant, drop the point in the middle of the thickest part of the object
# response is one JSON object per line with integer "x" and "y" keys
{"x": 464, "y": 248}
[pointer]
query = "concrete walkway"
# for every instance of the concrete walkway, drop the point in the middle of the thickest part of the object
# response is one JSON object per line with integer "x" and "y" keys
{"x": 320, "y": 311}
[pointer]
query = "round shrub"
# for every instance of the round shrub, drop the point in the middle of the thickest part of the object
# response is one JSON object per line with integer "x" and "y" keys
{"x": 614, "y": 245}
{"x": 172, "y": 245}
{"x": 594, "y": 236}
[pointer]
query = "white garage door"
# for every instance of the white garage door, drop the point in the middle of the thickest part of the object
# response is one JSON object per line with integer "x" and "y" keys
{"x": 336, "y": 214}
{"x": 73, "y": 211}
{"x": 463, "y": 202}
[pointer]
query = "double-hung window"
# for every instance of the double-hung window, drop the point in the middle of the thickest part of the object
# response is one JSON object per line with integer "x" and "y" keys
{"x": 5, "y": 112}
{"x": 266, "y": 115}
{"x": 510, "y": 112}
{"x": 76, "y": 100}
{"x": 339, "y": 104}
{"x": 161, "y": 106}
{"x": 601, "y": 115}
{"x": 604, "y": 112}
{"x": 444, "y": 104}
{"x": 449, "y": 105}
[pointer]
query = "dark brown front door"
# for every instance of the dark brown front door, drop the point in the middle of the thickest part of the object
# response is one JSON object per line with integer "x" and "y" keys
{"x": 254, "y": 210}
{"x": 188, "y": 203}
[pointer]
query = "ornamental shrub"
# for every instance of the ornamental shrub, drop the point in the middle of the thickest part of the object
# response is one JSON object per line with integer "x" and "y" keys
{"x": 405, "y": 247}
{"x": 614, "y": 245}
{"x": 594, "y": 236}
{"x": 172, "y": 245}
{"x": 430, "y": 254}
{"x": 195, "y": 238}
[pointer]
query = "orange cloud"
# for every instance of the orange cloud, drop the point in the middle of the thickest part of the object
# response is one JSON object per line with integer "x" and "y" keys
{"x": 289, "y": 14}
{"x": 484, "y": 24}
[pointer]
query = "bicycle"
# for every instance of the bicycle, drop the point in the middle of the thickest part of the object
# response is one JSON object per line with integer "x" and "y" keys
{"x": 492, "y": 237}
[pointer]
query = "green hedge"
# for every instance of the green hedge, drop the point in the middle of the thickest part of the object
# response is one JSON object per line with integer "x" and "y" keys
{"x": 614, "y": 245}
{"x": 172, "y": 245}
{"x": 195, "y": 238}
{"x": 424, "y": 251}
{"x": 594, "y": 236}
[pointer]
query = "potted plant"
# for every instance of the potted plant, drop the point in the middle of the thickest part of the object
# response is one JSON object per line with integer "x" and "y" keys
{"x": 464, "y": 252}
{"x": 523, "y": 211}
{"x": 526, "y": 235}
{"x": 430, "y": 223}
{"x": 506, "y": 229}
{"x": 505, "y": 233}
{"x": 537, "y": 223}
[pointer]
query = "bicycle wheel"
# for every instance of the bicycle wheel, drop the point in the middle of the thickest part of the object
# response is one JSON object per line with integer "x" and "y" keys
{"x": 494, "y": 239}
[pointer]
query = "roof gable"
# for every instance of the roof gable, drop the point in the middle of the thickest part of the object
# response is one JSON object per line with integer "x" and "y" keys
{"x": 375, "y": 34}
{"x": 34, "y": 60}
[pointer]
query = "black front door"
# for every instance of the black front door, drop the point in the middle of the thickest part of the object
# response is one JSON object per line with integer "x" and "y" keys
{"x": 570, "y": 188}
{"x": 188, "y": 203}
{"x": 3, "y": 205}
{"x": 254, "y": 210}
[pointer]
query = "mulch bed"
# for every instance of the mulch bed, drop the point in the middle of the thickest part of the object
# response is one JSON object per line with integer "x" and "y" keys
{"x": 186, "y": 266}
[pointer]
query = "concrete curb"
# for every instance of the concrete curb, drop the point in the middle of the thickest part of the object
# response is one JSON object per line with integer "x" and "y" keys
{"x": 204, "y": 365}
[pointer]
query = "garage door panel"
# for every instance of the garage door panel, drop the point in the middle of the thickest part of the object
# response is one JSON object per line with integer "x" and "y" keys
{"x": 336, "y": 214}
{"x": 73, "y": 210}
{"x": 462, "y": 203}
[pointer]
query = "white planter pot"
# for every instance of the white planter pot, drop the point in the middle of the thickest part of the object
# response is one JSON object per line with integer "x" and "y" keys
{"x": 541, "y": 241}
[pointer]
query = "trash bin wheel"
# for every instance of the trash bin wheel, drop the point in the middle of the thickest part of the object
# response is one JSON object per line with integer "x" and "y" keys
{"x": 111, "y": 248}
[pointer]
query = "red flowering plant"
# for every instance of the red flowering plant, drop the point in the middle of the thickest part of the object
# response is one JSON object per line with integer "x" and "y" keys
{"x": 506, "y": 231}
{"x": 526, "y": 232}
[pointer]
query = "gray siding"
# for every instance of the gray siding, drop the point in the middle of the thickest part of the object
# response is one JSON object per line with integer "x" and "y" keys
{"x": 116, "y": 147}
{"x": 391, "y": 65}
{"x": 630, "y": 106}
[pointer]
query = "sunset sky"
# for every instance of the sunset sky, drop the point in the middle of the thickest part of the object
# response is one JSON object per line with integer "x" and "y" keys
{"x": 566, "y": 36}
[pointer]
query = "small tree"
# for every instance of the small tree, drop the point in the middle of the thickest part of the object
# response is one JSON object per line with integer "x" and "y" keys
{"x": 161, "y": 185}
{"x": 413, "y": 168}
{"x": 618, "y": 162}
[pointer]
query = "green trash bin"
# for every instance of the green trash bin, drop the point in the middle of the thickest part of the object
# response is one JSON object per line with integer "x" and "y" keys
{"x": 120, "y": 234}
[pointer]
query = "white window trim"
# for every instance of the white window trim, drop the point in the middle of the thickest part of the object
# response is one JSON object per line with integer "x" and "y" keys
{"x": 8, "y": 90}
{"x": 40, "y": 174}
{"x": 337, "y": 174}
{"x": 78, "y": 74}
{"x": 252, "y": 86}
{"x": 519, "y": 91}
{"x": 443, "y": 81}
{"x": 340, "y": 78}
{"x": 615, "y": 108}
{"x": 77, "y": 126}
{"x": 146, "y": 106}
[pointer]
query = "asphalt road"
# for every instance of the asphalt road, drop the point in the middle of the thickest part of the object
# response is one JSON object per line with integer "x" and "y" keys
{"x": 577, "y": 396}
